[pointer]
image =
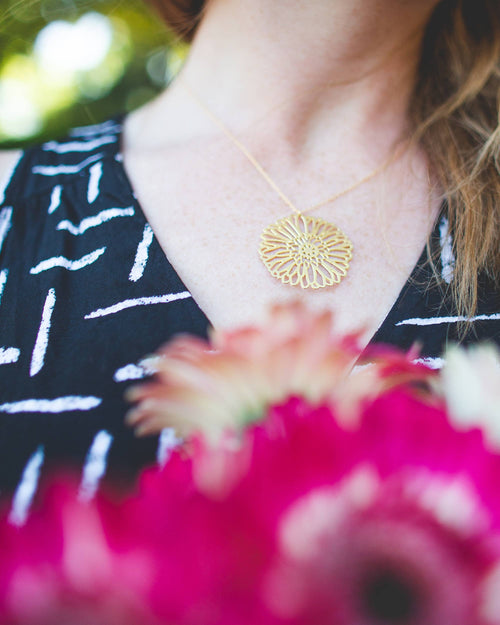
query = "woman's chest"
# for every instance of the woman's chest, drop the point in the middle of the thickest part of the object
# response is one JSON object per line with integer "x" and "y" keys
{"x": 210, "y": 229}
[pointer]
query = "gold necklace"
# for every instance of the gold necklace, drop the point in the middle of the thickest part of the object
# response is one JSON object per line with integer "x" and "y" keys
{"x": 300, "y": 250}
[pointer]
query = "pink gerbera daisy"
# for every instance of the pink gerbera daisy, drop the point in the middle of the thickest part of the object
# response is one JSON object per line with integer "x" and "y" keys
{"x": 396, "y": 521}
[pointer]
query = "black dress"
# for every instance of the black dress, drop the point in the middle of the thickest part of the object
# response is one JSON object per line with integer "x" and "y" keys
{"x": 86, "y": 292}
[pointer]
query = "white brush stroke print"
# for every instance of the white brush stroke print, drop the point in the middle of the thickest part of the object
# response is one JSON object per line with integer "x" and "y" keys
{"x": 26, "y": 489}
{"x": 447, "y": 256}
{"x": 429, "y": 361}
{"x": 56, "y": 170}
{"x": 9, "y": 355}
{"x": 95, "y": 465}
{"x": 140, "y": 301}
{"x": 42, "y": 338}
{"x": 90, "y": 131}
{"x": 95, "y": 175}
{"x": 142, "y": 255}
{"x": 130, "y": 372}
{"x": 78, "y": 146}
{"x": 65, "y": 263}
{"x": 54, "y": 406}
{"x": 432, "y": 321}
{"x": 95, "y": 220}
{"x": 55, "y": 199}
{"x": 4, "y": 274}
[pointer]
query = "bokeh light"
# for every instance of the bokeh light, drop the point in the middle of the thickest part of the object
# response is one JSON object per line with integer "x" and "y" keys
{"x": 86, "y": 44}
{"x": 71, "y": 62}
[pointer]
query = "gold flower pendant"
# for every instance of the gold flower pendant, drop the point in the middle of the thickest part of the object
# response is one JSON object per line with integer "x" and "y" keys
{"x": 305, "y": 251}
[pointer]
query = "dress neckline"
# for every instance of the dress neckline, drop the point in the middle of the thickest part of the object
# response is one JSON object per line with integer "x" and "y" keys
{"x": 420, "y": 274}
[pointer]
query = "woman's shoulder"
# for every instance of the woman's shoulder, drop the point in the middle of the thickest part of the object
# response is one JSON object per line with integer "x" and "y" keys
{"x": 8, "y": 161}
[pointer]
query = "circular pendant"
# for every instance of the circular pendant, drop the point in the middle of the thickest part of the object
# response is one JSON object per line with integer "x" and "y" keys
{"x": 305, "y": 251}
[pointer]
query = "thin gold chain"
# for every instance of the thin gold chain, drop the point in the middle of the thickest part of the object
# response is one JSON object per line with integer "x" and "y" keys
{"x": 392, "y": 157}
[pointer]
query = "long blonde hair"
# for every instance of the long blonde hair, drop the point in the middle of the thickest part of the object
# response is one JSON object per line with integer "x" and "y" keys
{"x": 454, "y": 111}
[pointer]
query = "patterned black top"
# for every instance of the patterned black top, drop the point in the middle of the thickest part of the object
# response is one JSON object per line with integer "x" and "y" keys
{"x": 86, "y": 292}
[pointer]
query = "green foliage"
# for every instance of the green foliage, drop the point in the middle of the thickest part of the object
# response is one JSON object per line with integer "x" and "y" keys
{"x": 135, "y": 68}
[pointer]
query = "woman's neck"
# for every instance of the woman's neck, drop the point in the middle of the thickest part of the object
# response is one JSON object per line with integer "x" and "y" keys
{"x": 303, "y": 81}
{"x": 307, "y": 64}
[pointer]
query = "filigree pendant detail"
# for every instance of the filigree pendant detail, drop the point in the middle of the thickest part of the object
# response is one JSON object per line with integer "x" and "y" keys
{"x": 305, "y": 251}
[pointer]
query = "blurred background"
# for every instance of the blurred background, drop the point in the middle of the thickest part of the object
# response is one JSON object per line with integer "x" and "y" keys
{"x": 67, "y": 63}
